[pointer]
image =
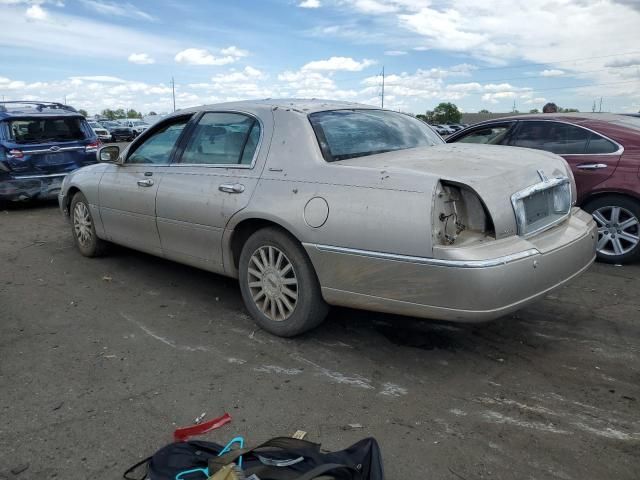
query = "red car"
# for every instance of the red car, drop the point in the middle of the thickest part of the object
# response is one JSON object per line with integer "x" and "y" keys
{"x": 603, "y": 151}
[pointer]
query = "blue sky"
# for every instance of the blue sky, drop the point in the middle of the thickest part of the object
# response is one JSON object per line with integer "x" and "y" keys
{"x": 480, "y": 55}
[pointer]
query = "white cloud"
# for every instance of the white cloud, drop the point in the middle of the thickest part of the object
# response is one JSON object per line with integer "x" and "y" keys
{"x": 98, "y": 78}
{"x": 234, "y": 52}
{"x": 200, "y": 56}
{"x": 395, "y": 53}
{"x": 310, "y": 4}
{"x": 141, "y": 59}
{"x": 623, "y": 62}
{"x": 36, "y": 12}
{"x": 118, "y": 9}
{"x": 339, "y": 63}
{"x": 553, "y": 72}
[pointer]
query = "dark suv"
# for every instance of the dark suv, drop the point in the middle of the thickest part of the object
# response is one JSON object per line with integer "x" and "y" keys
{"x": 40, "y": 142}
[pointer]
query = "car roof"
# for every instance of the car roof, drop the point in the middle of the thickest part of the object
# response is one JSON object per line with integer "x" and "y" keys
{"x": 296, "y": 104}
{"x": 17, "y": 109}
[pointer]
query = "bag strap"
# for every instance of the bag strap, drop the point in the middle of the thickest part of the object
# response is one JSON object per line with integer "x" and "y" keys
{"x": 282, "y": 443}
{"x": 280, "y": 473}
{"x": 135, "y": 467}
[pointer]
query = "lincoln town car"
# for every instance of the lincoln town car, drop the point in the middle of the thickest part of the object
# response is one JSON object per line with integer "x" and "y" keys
{"x": 312, "y": 203}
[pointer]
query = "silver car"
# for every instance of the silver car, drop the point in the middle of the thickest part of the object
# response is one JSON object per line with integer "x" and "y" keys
{"x": 314, "y": 203}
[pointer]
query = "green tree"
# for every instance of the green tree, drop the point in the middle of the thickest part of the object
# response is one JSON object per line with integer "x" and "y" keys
{"x": 131, "y": 113}
{"x": 484, "y": 110}
{"x": 534, "y": 110}
{"x": 108, "y": 114}
{"x": 567, "y": 110}
{"x": 152, "y": 113}
{"x": 119, "y": 113}
{"x": 422, "y": 117}
{"x": 83, "y": 112}
{"x": 446, "y": 113}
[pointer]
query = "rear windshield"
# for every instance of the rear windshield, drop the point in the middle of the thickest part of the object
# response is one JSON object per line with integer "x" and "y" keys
{"x": 40, "y": 130}
{"x": 344, "y": 134}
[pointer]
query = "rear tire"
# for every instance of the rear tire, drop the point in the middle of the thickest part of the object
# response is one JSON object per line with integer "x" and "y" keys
{"x": 279, "y": 285}
{"x": 618, "y": 220}
{"x": 83, "y": 228}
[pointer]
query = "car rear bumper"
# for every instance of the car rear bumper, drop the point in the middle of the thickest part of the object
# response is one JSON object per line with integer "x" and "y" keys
{"x": 465, "y": 289}
{"x": 25, "y": 187}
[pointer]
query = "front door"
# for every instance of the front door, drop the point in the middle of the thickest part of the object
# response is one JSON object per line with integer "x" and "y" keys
{"x": 212, "y": 180}
{"x": 128, "y": 191}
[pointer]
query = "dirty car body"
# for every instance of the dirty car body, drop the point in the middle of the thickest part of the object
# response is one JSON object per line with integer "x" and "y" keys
{"x": 340, "y": 204}
{"x": 40, "y": 143}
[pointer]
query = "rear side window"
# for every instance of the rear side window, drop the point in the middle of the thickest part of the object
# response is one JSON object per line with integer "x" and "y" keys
{"x": 555, "y": 137}
{"x": 42, "y": 130}
{"x": 487, "y": 135}
{"x": 223, "y": 139}
{"x": 344, "y": 134}
{"x": 600, "y": 145}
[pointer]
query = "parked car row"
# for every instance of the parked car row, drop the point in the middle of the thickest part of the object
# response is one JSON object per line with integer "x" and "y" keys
{"x": 118, "y": 130}
{"x": 448, "y": 129}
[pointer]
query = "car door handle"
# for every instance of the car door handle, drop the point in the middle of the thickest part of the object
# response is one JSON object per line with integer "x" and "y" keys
{"x": 145, "y": 183}
{"x": 231, "y": 188}
{"x": 592, "y": 166}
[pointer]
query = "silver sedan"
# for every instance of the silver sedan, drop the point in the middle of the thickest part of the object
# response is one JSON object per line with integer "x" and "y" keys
{"x": 316, "y": 203}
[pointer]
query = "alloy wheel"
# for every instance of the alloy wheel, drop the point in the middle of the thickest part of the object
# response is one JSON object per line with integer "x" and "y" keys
{"x": 82, "y": 224}
{"x": 273, "y": 283}
{"x": 618, "y": 230}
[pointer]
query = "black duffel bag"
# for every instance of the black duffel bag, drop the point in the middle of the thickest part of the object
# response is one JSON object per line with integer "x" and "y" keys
{"x": 281, "y": 458}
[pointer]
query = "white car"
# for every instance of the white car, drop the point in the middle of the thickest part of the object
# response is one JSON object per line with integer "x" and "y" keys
{"x": 138, "y": 126}
{"x": 101, "y": 132}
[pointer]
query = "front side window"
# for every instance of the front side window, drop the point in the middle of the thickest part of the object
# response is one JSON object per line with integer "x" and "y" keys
{"x": 223, "y": 139}
{"x": 344, "y": 134}
{"x": 487, "y": 135}
{"x": 41, "y": 130}
{"x": 559, "y": 138}
{"x": 157, "y": 148}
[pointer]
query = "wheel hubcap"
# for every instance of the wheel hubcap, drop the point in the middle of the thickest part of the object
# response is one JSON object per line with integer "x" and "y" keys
{"x": 82, "y": 223}
{"x": 273, "y": 283}
{"x": 618, "y": 230}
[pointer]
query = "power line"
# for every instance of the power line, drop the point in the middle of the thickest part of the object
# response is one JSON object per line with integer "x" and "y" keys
{"x": 383, "y": 86}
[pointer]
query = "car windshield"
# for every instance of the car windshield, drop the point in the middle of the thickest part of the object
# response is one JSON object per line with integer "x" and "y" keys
{"x": 39, "y": 130}
{"x": 344, "y": 134}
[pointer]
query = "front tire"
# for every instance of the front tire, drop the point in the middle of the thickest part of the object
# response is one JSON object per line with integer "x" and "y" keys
{"x": 279, "y": 285}
{"x": 618, "y": 219}
{"x": 83, "y": 228}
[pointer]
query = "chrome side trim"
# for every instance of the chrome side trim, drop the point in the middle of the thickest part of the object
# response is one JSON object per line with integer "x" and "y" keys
{"x": 490, "y": 262}
{"x": 48, "y": 150}
{"x": 50, "y": 175}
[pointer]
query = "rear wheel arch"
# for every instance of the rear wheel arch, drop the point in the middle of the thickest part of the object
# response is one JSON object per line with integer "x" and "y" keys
{"x": 247, "y": 227}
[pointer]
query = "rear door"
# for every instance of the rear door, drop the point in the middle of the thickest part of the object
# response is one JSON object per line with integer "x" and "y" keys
{"x": 128, "y": 191}
{"x": 592, "y": 157}
{"x": 213, "y": 178}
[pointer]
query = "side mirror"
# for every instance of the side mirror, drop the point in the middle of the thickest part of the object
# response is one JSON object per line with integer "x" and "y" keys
{"x": 109, "y": 154}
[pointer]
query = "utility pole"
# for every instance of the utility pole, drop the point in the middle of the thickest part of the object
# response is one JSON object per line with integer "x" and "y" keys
{"x": 593, "y": 109}
{"x": 173, "y": 90}
{"x": 383, "y": 86}
{"x": 600, "y": 110}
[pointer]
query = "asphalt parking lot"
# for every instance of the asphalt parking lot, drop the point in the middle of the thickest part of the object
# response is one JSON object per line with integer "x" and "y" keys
{"x": 100, "y": 359}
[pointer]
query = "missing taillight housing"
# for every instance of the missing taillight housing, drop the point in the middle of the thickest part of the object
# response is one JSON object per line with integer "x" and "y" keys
{"x": 459, "y": 216}
{"x": 93, "y": 147}
{"x": 16, "y": 154}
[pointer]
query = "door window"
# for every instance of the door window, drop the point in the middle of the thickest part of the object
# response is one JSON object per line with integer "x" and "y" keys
{"x": 223, "y": 139}
{"x": 489, "y": 135}
{"x": 559, "y": 138}
{"x": 157, "y": 148}
{"x": 600, "y": 145}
